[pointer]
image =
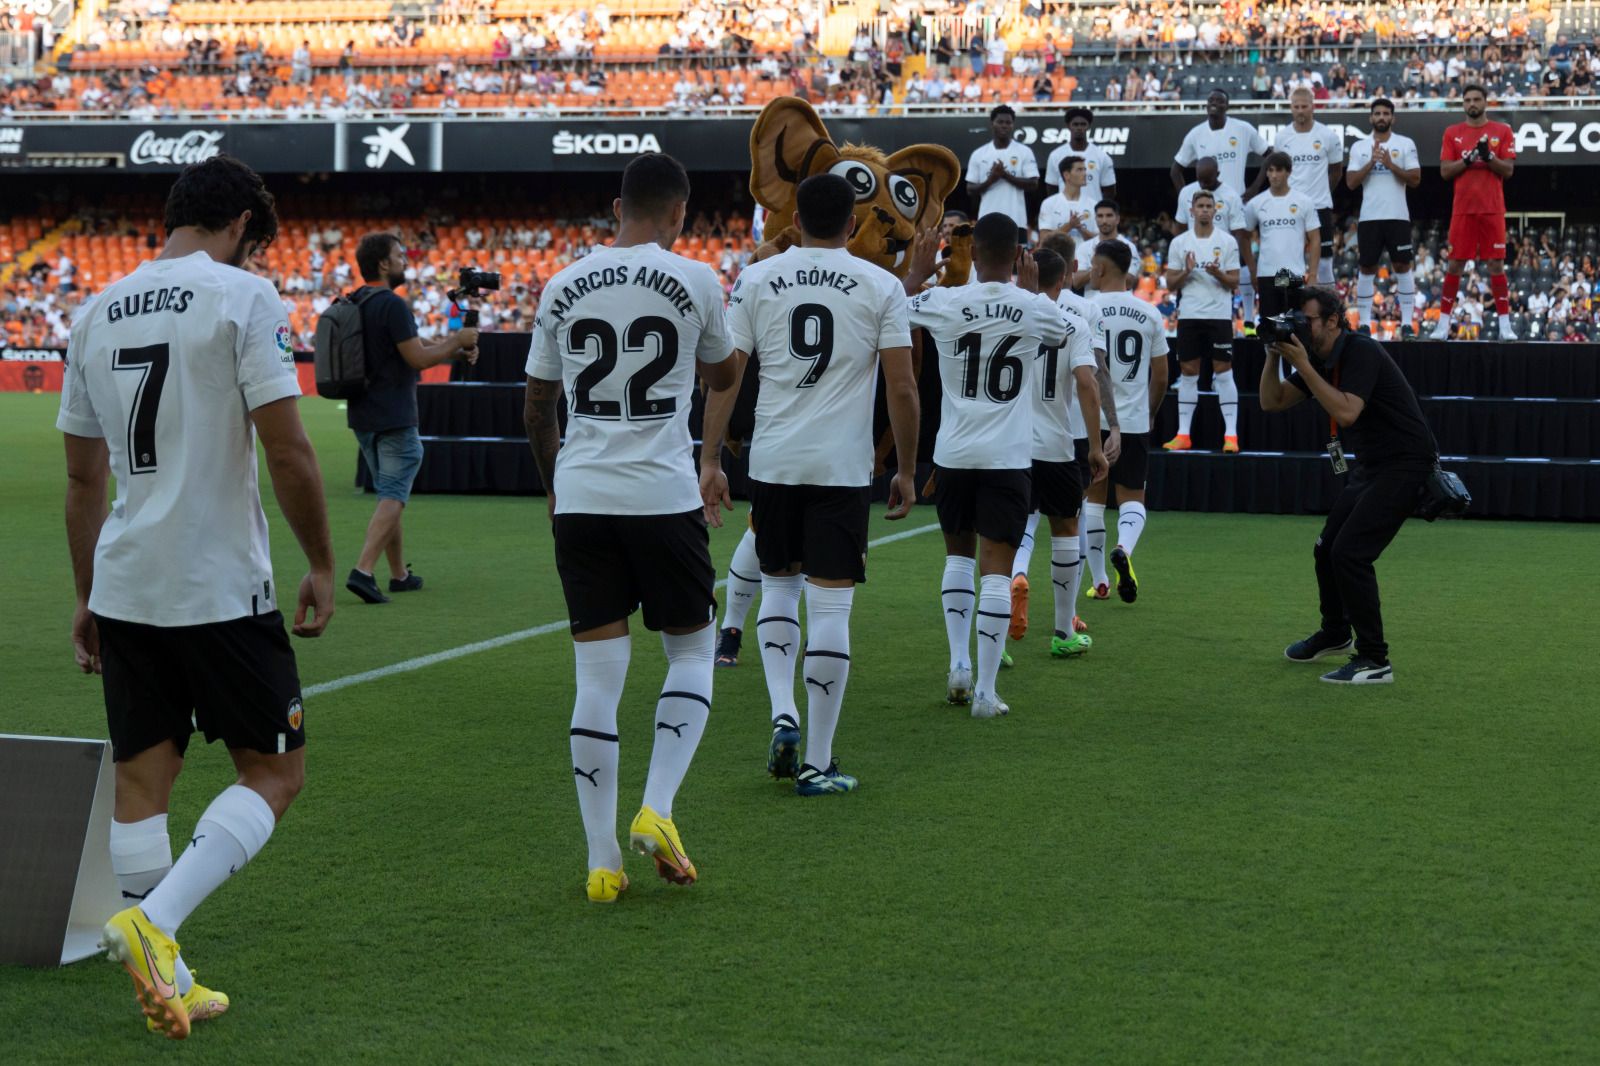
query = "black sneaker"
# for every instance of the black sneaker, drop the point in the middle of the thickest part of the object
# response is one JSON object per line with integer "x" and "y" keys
{"x": 728, "y": 646}
{"x": 1361, "y": 670}
{"x": 410, "y": 583}
{"x": 1318, "y": 645}
{"x": 365, "y": 586}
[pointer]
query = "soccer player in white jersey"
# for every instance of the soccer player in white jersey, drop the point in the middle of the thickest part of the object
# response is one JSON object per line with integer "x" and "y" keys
{"x": 1107, "y": 219}
{"x": 1002, "y": 171}
{"x": 986, "y": 336}
{"x": 1132, "y": 337}
{"x": 1202, "y": 270}
{"x": 172, "y": 373}
{"x": 1058, "y": 481}
{"x": 1285, "y": 224}
{"x": 1071, "y": 210}
{"x": 624, "y": 330}
{"x": 819, "y": 320}
{"x": 1230, "y": 142}
{"x": 1318, "y": 155}
{"x": 1384, "y": 165}
{"x": 1100, "y": 169}
{"x": 1229, "y": 202}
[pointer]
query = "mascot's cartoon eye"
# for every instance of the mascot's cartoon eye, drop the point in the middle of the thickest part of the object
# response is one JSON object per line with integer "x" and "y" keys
{"x": 905, "y": 197}
{"x": 860, "y": 177}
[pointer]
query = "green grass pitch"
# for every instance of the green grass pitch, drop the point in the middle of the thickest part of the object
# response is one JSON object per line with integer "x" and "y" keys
{"x": 1181, "y": 848}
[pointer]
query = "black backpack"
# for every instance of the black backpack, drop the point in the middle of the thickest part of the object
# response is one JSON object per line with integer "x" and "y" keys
{"x": 341, "y": 350}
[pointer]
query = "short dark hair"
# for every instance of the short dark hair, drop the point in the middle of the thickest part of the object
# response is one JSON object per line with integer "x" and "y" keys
{"x": 1328, "y": 301}
{"x": 1107, "y": 203}
{"x": 1473, "y": 86}
{"x": 212, "y": 194}
{"x": 1217, "y": 90}
{"x": 1061, "y": 243}
{"x": 1080, "y": 112}
{"x": 1381, "y": 101}
{"x": 961, "y": 216}
{"x": 372, "y": 250}
{"x": 1003, "y": 109}
{"x": 1279, "y": 161}
{"x": 652, "y": 183}
{"x": 1201, "y": 194}
{"x": 994, "y": 238}
{"x": 1117, "y": 252}
{"x": 1052, "y": 268}
{"x": 1067, "y": 161}
{"x": 825, "y": 202}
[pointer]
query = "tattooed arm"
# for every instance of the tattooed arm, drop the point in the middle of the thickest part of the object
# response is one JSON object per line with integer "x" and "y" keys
{"x": 544, "y": 431}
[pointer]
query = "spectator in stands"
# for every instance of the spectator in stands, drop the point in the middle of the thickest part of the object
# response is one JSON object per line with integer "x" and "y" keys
{"x": 384, "y": 416}
{"x": 300, "y": 64}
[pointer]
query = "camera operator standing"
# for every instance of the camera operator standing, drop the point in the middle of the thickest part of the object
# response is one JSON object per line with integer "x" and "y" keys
{"x": 1373, "y": 412}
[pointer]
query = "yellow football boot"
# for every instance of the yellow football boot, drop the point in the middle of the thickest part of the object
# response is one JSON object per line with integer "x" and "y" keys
{"x": 606, "y": 885}
{"x": 201, "y": 1003}
{"x": 657, "y": 837}
{"x": 150, "y": 957}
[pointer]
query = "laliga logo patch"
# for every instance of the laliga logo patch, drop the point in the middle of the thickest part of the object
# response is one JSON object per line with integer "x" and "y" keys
{"x": 297, "y": 713}
{"x": 282, "y": 339}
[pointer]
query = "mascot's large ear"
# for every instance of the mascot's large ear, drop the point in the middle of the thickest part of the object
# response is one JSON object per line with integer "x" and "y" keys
{"x": 935, "y": 171}
{"x": 788, "y": 144}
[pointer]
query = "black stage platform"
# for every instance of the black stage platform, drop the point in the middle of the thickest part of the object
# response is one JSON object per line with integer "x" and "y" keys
{"x": 1520, "y": 423}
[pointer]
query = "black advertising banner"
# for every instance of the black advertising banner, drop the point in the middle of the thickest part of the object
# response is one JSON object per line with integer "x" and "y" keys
{"x": 1556, "y": 137}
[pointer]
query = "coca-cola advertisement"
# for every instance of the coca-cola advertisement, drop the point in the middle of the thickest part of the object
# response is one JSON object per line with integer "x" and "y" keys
{"x": 194, "y": 146}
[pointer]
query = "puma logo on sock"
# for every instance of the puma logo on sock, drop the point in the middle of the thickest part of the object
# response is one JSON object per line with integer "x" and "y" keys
{"x": 957, "y": 610}
{"x": 195, "y": 841}
{"x": 677, "y": 730}
{"x": 784, "y": 648}
{"x": 589, "y": 775}
{"x": 823, "y": 685}
{"x": 992, "y": 636}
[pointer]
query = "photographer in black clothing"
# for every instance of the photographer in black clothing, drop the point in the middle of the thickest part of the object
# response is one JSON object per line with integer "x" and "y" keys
{"x": 1374, "y": 415}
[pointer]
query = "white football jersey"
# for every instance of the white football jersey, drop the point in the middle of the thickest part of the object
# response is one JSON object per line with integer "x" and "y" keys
{"x": 1083, "y": 254}
{"x": 1313, "y": 152}
{"x": 1283, "y": 222}
{"x": 1004, "y": 197}
{"x": 1101, "y": 169}
{"x": 622, "y": 329}
{"x": 1203, "y": 296}
{"x": 816, "y": 319}
{"x": 1057, "y": 211}
{"x": 1383, "y": 196}
{"x": 1071, "y": 301}
{"x": 1230, "y": 206}
{"x": 1054, "y": 385}
{"x": 1230, "y": 146}
{"x": 167, "y": 365}
{"x": 1133, "y": 335}
{"x": 986, "y": 336}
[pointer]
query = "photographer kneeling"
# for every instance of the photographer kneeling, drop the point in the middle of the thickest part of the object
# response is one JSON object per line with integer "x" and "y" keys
{"x": 1373, "y": 413}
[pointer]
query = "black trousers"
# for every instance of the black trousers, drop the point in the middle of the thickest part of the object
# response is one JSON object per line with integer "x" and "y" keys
{"x": 1365, "y": 518}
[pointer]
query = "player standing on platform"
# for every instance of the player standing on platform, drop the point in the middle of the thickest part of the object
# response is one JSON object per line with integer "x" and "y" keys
{"x": 1285, "y": 223}
{"x": 1003, "y": 171}
{"x": 1228, "y": 202}
{"x": 1384, "y": 165}
{"x": 1478, "y": 155}
{"x": 819, "y": 320}
{"x": 1107, "y": 220}
{"x": 1071, "y": 210}
{"x": 1100, "y": 169}
{"x": 1203, "y": 271}
{"x": 1131, "y": 337}
{"x": 623, "y": 330}
{"x": 1318, "y": 155}
{"x": 171, "y": 375}
{"x": 1230, "y": 142}
{"x": 986, "y": 336}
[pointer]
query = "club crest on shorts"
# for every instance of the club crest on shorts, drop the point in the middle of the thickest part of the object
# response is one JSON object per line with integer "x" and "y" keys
{"x": 297, "y": 713}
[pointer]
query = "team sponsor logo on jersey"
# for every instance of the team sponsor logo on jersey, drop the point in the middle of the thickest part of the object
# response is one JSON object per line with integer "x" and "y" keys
{"x": 568, "y": 143}
{"x": 297, "y": 713}
{"x": 196, "y": 146}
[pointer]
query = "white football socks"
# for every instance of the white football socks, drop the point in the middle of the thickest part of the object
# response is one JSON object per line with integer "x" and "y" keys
{"x": 994, "y": 621}
{"x": 744, "y": 582}
{"x": 1505, "y": 327}
{"x": 1405, "y": 288}
{"x": 1094, "y": 528}
{"x": 827, "y": 667}
{"x": 229, "y": 834}
{"x": 1325, "y": 270}
{"x": 141, "y": 855}
{"x": 778, "y": 630}
{"x": 1366, "y": 285}
{"x": 681, "y": 714}
{"x": 1188, "y": 397}
{"x": 1019, "y": 566}
{"x": 1064, "y": 567}
{"x": 958, "y": 600}
{"x": 602, "y": 670}
{"x": 1130, "y": 523}
{"x": 1247, "y": 296}
{"x": 1227, "y": 399}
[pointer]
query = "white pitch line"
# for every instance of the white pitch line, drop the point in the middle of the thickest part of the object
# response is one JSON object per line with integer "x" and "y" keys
{"x": 408, "y": 665}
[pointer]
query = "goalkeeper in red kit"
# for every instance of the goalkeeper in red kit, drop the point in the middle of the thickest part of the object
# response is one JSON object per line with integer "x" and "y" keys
{"x": 1478, "y": 155}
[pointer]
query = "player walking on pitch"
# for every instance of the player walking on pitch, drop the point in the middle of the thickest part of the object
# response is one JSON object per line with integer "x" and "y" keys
{"x": 172, "y": 373}
{"x": 819, "y": 320}
{"x": 1384, "y": 165}
{"x": 1131, "y": 338}
{"x": 986, "y": 336}
{"x": 1203, "y": 271}
{"x": 1478, "y": 155}
{"x": 623, "y": 330}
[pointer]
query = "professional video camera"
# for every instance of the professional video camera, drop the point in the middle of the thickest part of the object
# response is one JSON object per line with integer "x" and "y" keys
{"x": 1291, "y": 289}
{"x": 471, "y": 284}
